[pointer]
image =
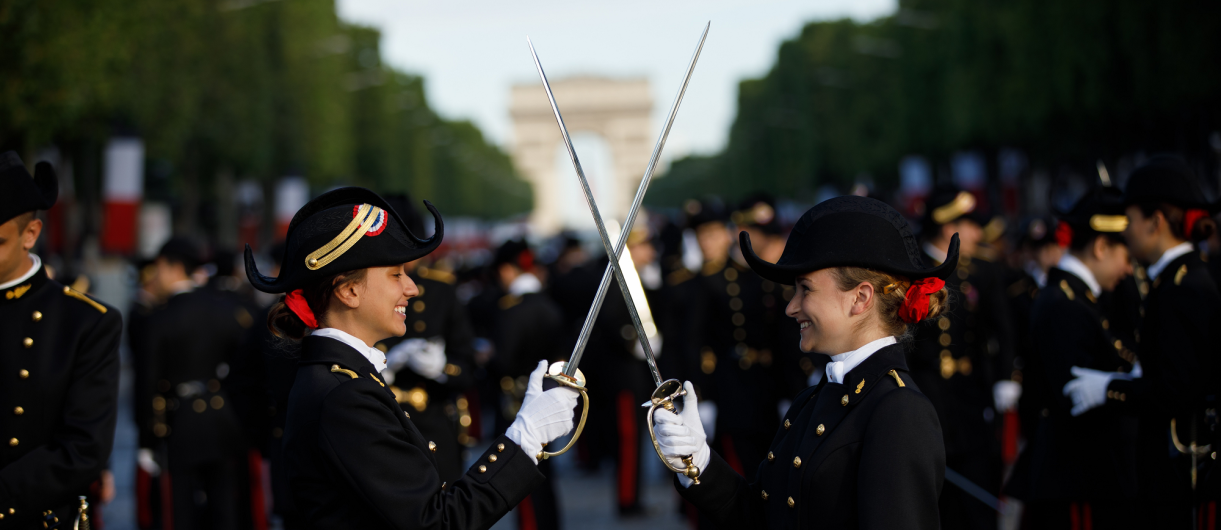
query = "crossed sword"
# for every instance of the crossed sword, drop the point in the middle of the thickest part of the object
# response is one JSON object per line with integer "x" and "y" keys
{"x": 567, "y": 373}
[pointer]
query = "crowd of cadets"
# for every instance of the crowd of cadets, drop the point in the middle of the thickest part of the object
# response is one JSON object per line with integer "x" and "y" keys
{"x": 1075, "y": 371}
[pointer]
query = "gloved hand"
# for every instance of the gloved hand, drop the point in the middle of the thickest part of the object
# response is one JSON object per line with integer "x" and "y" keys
{"x": 1088, "y": 390}
{"x": 423, "y": 356}
{"x": 680, "y": 435}
{"x": 1005, "y": 395}
{"x": 144, "y": 459}
{"x": 544, "y": 416}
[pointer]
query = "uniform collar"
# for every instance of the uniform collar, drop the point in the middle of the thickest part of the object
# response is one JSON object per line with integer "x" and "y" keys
{"x": 371, "y": 354}
{"x": 28, "y": 274}
{"x": 1170, "y": 255}
{"x": 1070, "y": 264}
{"x": 526, "y": 283}
{"x": 845, "y": 362}
{"x": 14, "y": 291}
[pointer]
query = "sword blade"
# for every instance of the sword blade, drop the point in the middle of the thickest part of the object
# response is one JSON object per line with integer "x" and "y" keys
{"x": 596, "y": 307}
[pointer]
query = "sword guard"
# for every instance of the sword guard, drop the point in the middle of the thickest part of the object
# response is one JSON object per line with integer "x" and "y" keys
{"x": 555, "y": 372}
{"x": 664, "y": 397}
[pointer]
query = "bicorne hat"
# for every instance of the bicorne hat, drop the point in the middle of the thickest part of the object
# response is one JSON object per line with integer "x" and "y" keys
{"x": 850, "y": 231}
{"x": 23, "y": 193}
{"x": 1099, "y": 211}
{"x": 758, "y": 210}
{"x": 343, "y": 230}
{"x": 1168, "y": 179}
{"x": 947, "y": 204}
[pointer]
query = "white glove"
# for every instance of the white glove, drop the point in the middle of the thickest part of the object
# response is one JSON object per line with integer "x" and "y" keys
{"x": 144, "y": 459}
{"x": 654, "y": 344}
{"x": 1136, "y": 372}
{"x": 1088, "y": 390}
{"x": 1005, "y": 395}
{"x": 544, "y": 416}
{"x": 680, "y": 435}
{"x": 423, "y": 356}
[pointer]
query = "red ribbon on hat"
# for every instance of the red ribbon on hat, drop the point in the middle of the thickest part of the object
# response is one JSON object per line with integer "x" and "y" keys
{"x": 296, "y": 303}
{"x": 1189, "y": 220}
{"x": 1064, "y": 235}
{"x": 916, "y": 306}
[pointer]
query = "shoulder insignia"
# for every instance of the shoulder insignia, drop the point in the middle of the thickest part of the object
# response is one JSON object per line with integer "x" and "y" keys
{"x": 243, "y": 318}
{"x": 1178, "y": 276}
{"x": 1090, "y": 295}
{"x": 437, "y": 275}
{"x": 1018, "y": 288}
{"x": 16, "y": 292}
{"x": 79, "y": 296}
{"x": 1068, "y": 291}
{"x": 379, "y": 381}
{"x": 679, "y": 276}
{"x": 860, "y": 386}
{"x": 509, "y": 300}
{"x": 895, "y": 375}
{"x": 713, "y": 267}
{"x": 337, "y": 370}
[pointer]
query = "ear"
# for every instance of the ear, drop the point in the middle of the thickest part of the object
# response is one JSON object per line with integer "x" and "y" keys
{"x": 349, "y": 294}
{"x": 31, "y": 233}
{"x": 1099, "y": 248}
{"x": 863, "y": 299}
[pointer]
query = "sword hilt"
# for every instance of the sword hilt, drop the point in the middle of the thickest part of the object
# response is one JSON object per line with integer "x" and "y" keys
{"x": 664, "y": 397}
{"x": 555, "y": 372}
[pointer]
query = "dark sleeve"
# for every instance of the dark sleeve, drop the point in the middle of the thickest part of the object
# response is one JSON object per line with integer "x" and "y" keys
{"x": 1001, "y": 327}
{"x": 1188, "y": 328}
{"x": 147, "y": 367}
{"x": 459, "y": 350}
{"x": 80, "y": 447}
{"x": 369, "y": 449}
{"x": 1062, "y": 340}
{"x": 902, "y": 464}
{"x": 725, "y": 496}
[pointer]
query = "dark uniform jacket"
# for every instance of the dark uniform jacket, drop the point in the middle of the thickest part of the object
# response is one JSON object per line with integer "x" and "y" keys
{"x": 864, "y": 454}
{"x": 59, "y": 388}
{"x": 436, "y": 407}
{"x": 355, "y": 459}
{"x": 1088, "y": 457}
{"x": 1178, "y": 338}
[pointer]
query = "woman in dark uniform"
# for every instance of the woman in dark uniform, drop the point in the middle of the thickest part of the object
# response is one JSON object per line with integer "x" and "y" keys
{"x": 863, "y": 449}
{"x": 353, "y": 457}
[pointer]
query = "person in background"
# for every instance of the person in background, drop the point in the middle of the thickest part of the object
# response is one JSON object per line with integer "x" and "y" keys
{"x": 1175, "y": 395}
{"x": 184, "y": 409}
{"x": 963, "y": 361}
{"x": 59, "y": 360}
{"x": 1069, "y": 328}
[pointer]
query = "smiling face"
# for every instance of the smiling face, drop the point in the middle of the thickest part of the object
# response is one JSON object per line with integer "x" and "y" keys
{"x": 828, "y": 316}
{"x": 375, "y": 307}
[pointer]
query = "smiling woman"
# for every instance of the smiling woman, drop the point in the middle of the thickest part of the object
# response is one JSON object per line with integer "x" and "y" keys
{"x": 863, "y": 449}
{"x": 353, "y": 457}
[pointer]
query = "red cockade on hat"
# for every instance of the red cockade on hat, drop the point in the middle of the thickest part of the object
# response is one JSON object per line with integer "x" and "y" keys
{"x": 916, "y": 306}
{"x": 295, "y": 300}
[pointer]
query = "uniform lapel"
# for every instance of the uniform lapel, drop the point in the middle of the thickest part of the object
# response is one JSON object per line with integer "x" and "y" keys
{"x": 837, "y": 401}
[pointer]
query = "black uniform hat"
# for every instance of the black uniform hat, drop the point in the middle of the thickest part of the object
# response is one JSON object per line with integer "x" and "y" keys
{"x": 343, "y": 230}
{"x": 1099, "y": 211}
{"x": 1165, "y": 178}
{"x": 23, "y": 193}
{"x": 758, "y": 210}
{"x": 704, "y": 212}
{"x": 947, "y": 204}
{"x": 850, "y": 231}
{"x": 515, "y": 252}
{"x": 1036, "y": 232}
{"x": 182, "y": 250}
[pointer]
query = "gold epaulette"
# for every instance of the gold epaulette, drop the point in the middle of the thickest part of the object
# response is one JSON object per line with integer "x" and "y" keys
{"x": 335, "y": 369}
{"x": 1178, "y": 276}
{"x": 437, "y": 275}
{"x": 74, "y": 294}
{"x": 895, "y": 375}
{"x": 509, "y": 300}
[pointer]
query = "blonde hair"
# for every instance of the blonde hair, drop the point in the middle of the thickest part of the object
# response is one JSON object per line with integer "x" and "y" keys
{"x": 889, "y": 293}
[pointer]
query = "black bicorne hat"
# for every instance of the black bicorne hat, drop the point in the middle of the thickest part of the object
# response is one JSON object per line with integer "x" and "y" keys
{"x": 709, "y": 210}
{"x": 1165, "y": 178}
{"x": 759, "y": 210}
{"x": 1099, "y": 211}
{"x": 947, "y": 204}
{"x": 850, "y": 231}
{"x": 23, "y": 193}
{"x": 343, "y": 230}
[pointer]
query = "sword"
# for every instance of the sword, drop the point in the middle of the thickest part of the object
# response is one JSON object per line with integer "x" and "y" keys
{"x": 567, "y": 373}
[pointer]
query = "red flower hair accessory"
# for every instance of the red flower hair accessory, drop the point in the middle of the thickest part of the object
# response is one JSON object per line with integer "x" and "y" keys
{"x": 916, "y": 305}
{"x": 1064, "y": 235}
{"x": 1189, "y": 220}
{"x": 295, "y": 301}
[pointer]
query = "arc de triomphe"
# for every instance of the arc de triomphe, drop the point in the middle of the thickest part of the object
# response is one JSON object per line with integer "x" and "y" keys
{"x": 617, "y": 110}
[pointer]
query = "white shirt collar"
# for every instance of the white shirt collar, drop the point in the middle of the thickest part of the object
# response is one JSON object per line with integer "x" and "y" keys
{"x": 37, "y": 263}
{"x": 1070, "y": 264}
{"x": 1170, "y": 255}
{"x": 934, "y": 252}
{"x": 1037, "y": 272}
{"x": 374, "y": 355}
{"x": 843, "y": 363}
{"x": 524, "y": 284}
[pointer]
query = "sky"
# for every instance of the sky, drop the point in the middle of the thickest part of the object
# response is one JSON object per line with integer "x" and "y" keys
{"x": 471, "y": 53}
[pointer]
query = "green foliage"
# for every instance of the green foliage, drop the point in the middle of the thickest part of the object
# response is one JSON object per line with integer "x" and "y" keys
{"x": 1068, "y": 81}
{"x": 253, "y": 88}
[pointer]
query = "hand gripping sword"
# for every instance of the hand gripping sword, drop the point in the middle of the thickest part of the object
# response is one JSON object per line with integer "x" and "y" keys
{"x": 567, "y": 373}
